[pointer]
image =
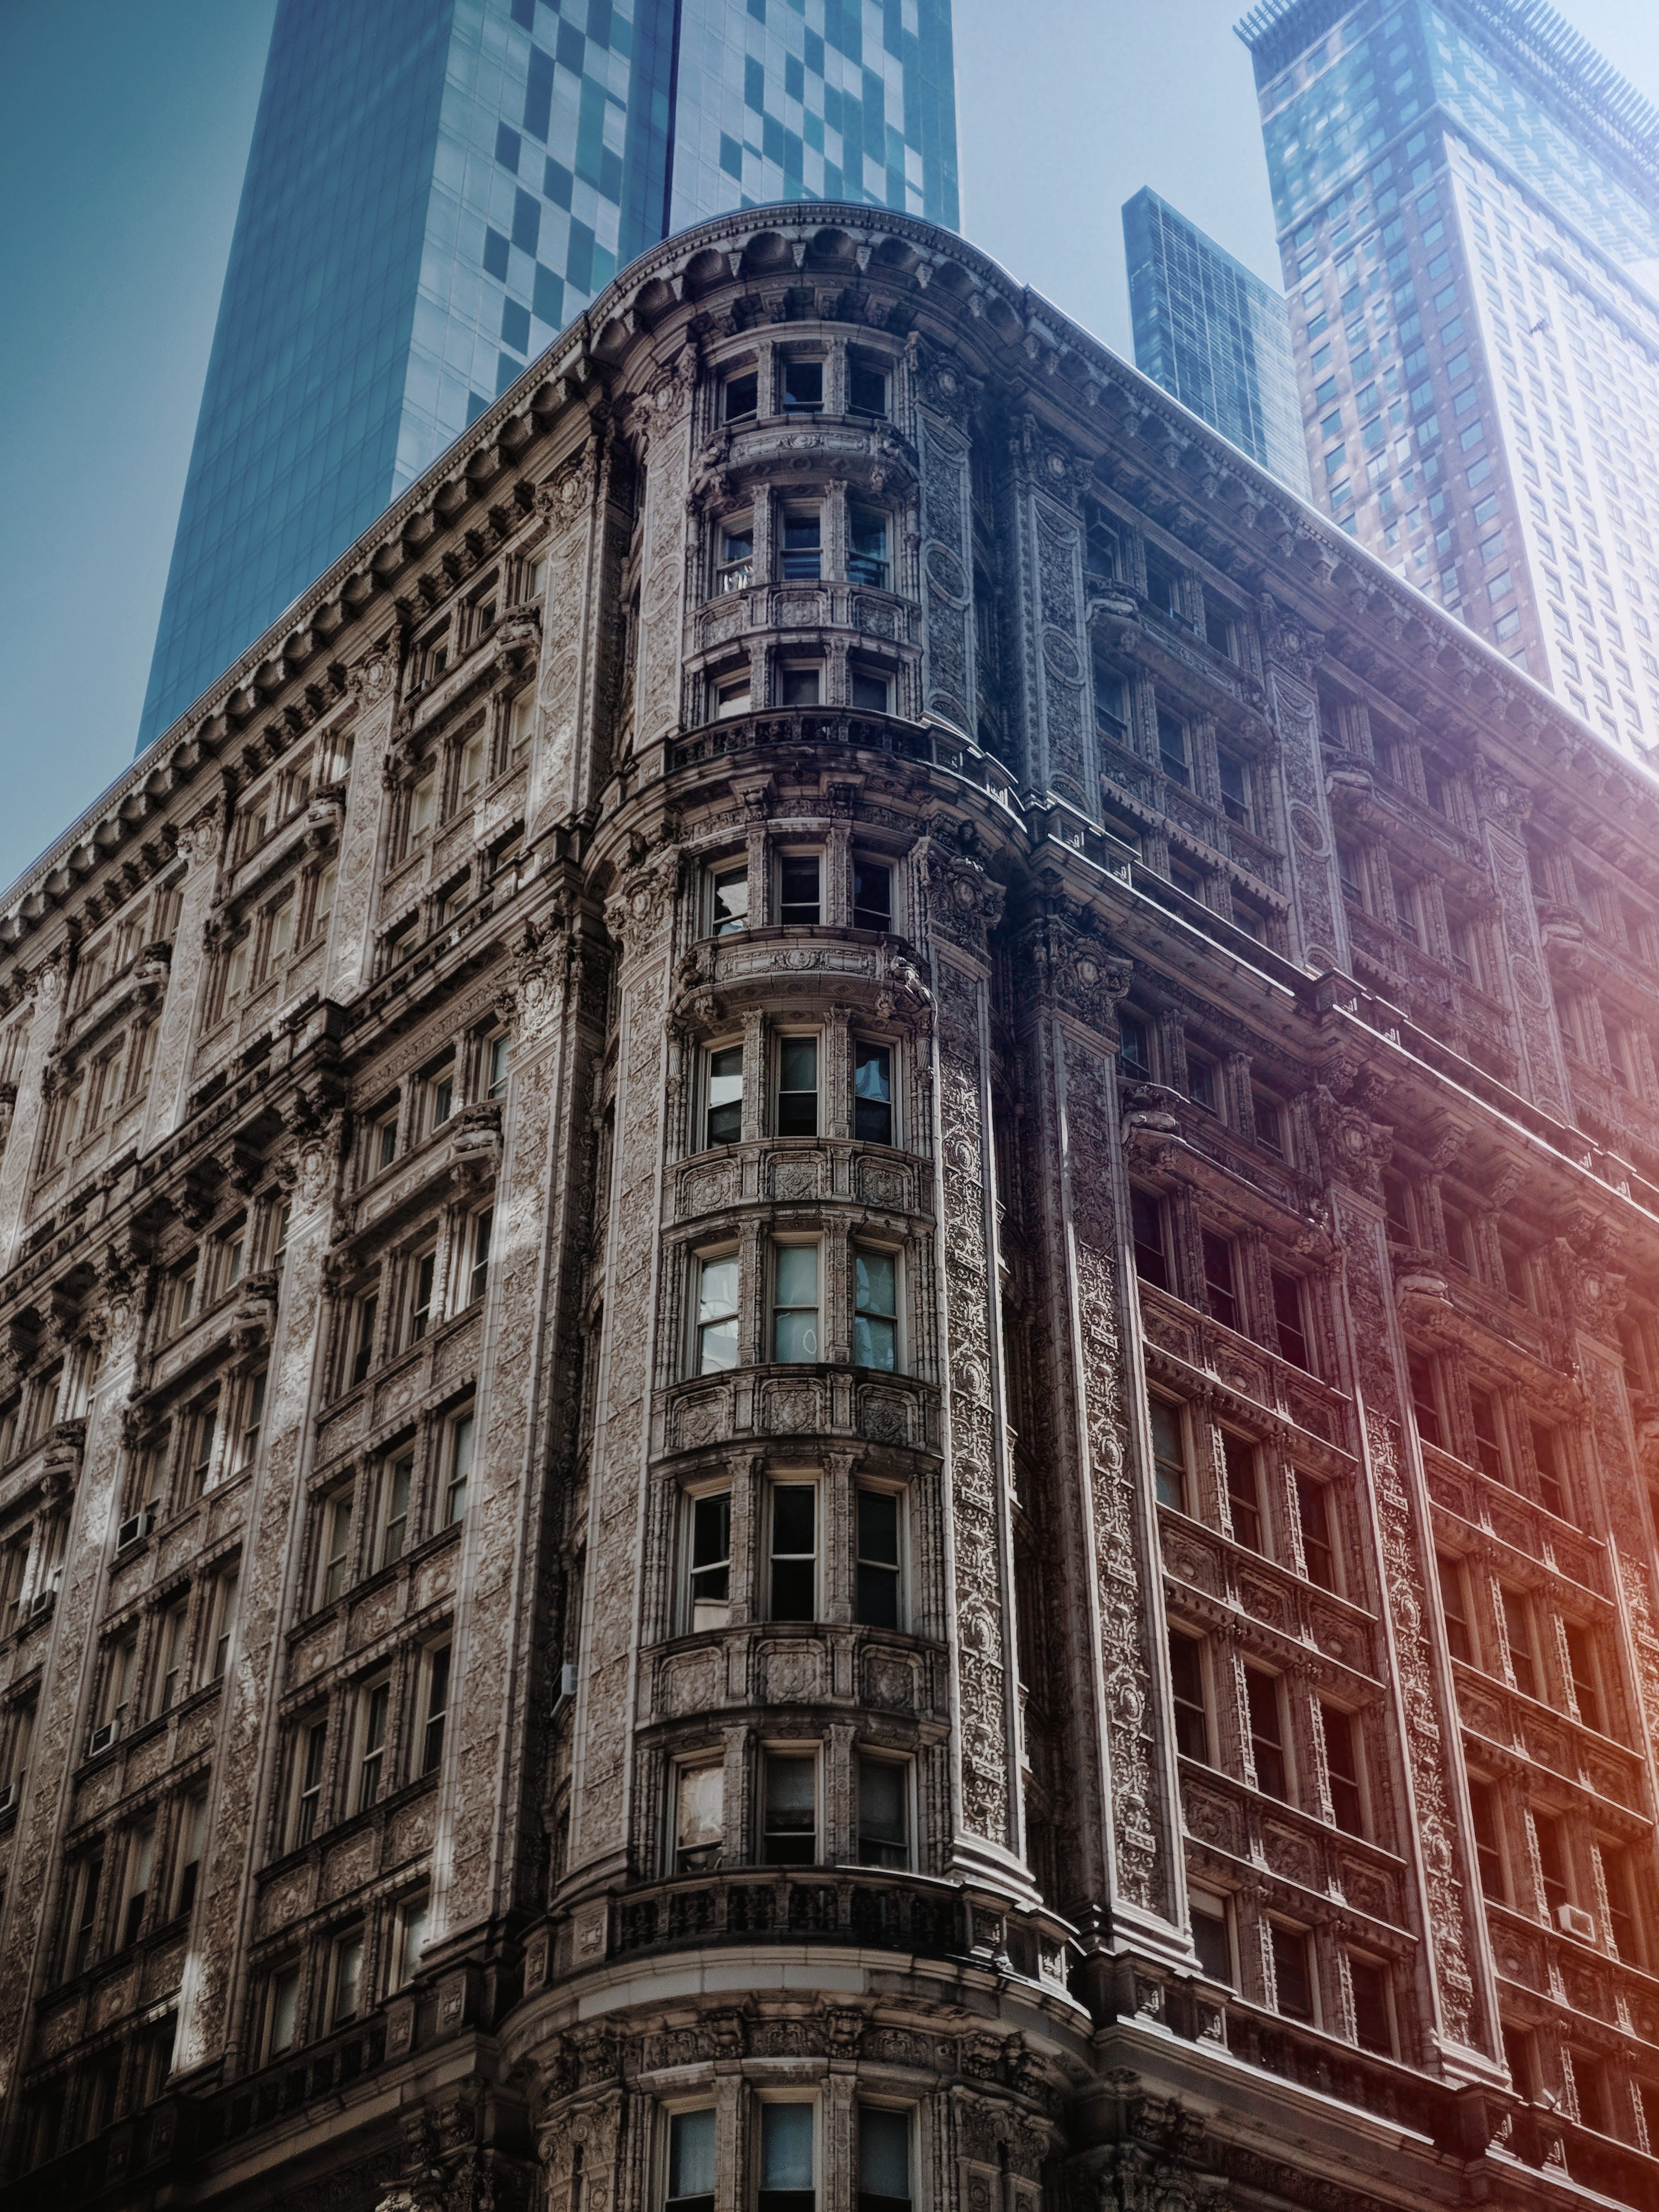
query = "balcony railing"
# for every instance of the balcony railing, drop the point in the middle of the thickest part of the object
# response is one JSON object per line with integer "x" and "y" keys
{"x": 767, "y": 1904}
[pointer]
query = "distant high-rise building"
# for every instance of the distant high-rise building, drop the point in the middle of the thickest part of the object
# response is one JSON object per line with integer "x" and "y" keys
{"x": 1467, "y": 203}
{"x": 436, "y": 186}
{"x": 1214, "y": 336}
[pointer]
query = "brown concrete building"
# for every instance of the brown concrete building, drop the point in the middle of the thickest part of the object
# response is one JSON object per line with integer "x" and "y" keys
{"x": 828, "y": 1275}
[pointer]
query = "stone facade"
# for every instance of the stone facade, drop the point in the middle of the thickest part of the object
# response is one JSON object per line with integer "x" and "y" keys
{"x": 829, "y": 1334}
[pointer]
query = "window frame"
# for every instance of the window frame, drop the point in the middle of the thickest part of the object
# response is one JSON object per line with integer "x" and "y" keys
{"x": 899, "y": 1494}
{"x": 779, "y": 1307}
{"x": 703, "y": 1316}
{"x": 774, "y": 1754}
{"x": 808, "y": 1482}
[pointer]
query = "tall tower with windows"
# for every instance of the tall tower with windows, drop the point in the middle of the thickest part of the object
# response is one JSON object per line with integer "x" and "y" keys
{"x": 1467, "y": 201}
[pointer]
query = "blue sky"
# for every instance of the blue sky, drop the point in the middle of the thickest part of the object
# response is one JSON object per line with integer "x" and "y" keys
{"x": 123, "y": 133}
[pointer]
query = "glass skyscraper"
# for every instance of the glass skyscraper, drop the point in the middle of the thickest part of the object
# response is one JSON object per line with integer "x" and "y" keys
{"x": 1467, "y": 203}
{"x": 434, "y": 187}
{"x": 1214, "y": 336}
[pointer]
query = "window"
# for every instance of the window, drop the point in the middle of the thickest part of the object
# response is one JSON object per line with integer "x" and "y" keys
{"x": 374, "y": 1704}
{"x": 1133, "y": 1047}
{"x": 729, "y": 902}
{"x": 798, "y": 899}
{"x": 138, "y": 1866}
{"x": 1169, "y": 1454}
{"x": 335, "y": 1560}
{"x": 200, "y": 1425}
{"x": 1547, "y": 1458}
{"x": 787, "y": 2159}
{"x": 172, "y": 1645}
{"x": 794, "y": 1302}
{"x": 883, "y": 2160}
{"x": 692, "y": 2162}
{"x": 413, "y": 1916}
{"x": 1518, "y": 1630}
{"x": 866, "y": 387}
{"x": 872, "y": 1092}
{"x": 1172, "y": 748}
{"x": 699, "y": 1802}
{"x": 458, "y": 1454}
{"x": 1201, "y": 1081}
{"x": 192, "y": 1837}
{"x": 1581, "y": 1664}
{"x": 1342, "y": 1765}
{"x": 872, "y": 892}
{"x": 741, "y": 395}
{"x": 477, "y": 1267}
{"x": 1373, "y": 2018}
{"x": 384, "y": 1142}
{"x": 803, "y": 387}
{"x": 500, "y": 1060}
{"x": 1220, "y": 1294}
{"x": 1289, "y": 1323}
{"x": 1454, "y": 1605}
{"x": 1191, "y": 1722}
{"x": 1292, "y": 1972}
{"x": 1212, "y": 1935}
{"x": 362, "y": 1355}
{"x": 1488, "y": 1440}
{"x": 473, "y": 767}
{"x": 222, "y": 1624}
{"x": 1589, "y": 2082}
{"x": 423, "y": 807}
{"x": 867, "y": 547}
{"x": 437, "y": 1708}
{"x": 803, "y": 557}
{"x": 876, "y": 1579}
{"x": 799, "y": 684}
{"x": 282, "y": 2011}
{"x": 308, "y": 1781}
{"x": 1618, "y": 1874}
{"x": 710, "y": 1575}
{"x": 1146, "y": 1223}
{"x": 422, "y": 1271}
{"x": 871, "y": 693}
{"x": 789, "y": 1833}
{"x": 394, "y": 1509}
{"x": 1313, "y": 1511}
{"x": 795, "y": 1551}
{"x": 732, "y": 697}
{"x": 1425, "y": 1399}
{"x": 1243, "y": 1491}
{"x": 875, "y": 1314}
{"x": 884, "y": 1812}
{"x": 717, "y": 1313}
{"x": 1261, "y": 1700}
{"x": 345, "y": 1976}
{"x": 1488, "y": 1851}
{"x": 735, "y": 570}
{"x": 1235, "y": 788}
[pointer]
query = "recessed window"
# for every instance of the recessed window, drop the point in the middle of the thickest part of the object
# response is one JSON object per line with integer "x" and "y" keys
{"x": 394, "y": 1509}
{"x": 799, "y": 684}
{"x": 728, "y": 901}
{"x": 1201, "y": 1086}
{"x": 1261, "y": 1697}
{"x": 871, "y": 694}
{"x": 723, "y": 1105}
{"x": 872, "y": 894}
{"x": 1134, "y": 1050}
{"x": 385, "y": 1140}
{"x": 741, "y": 395}
{"x": 1313, "y": 1508}
{"x": 732, "y": 697}
{"x": 459, "y": 1472}
{"x": 373, "y": 1707}
{"x": 1288, "y": 1322}
{"x": 309, "y": 1751}
{"x": 1373, "y": 2020}
{"x": 795, "y": 1551}
{"x": 798, "y": 1087}
{"x": 1243, "y": 1491}
{"x": 1235, "y": 788}
{"x": 789, "y": 1833}
{"x": 423, "y": 807}
{"x": 282, "y": 2011}
{"x": 884, "y": 1812}
{"x": 437, "y": 1708}
{"x": 1212, "y": 1936}
{"x": 1146, "y": 1222}
{"x": 867, "y": 547}
{"x": 1518, "y": 1633}
{"x": 1547, "y": 1459}
{"x": 1581, "y": 1667}
{"x": 710, "y": 1575}
{"x": 1169, "y": 1454}
{"x": 872, "y": 1092}
{"x": 1269, "y": 1123}
{"x": 473, "y": 767}
{"x": 1342, "y": 1765}
{"x": 802, "y": 545}
{"x": 1454, "y": 1603}
{"x": 866, "y": 387}
{"x": 803, "y": 387}
{"x": 336, "y": 1552}
{"x": 717, "y": 1315}
{"x": 413, "y": 1916}
{"x": 1488, "y": 1849}
{"x": 1220, "y": 1283}
{"x": 876, "y": 1584}
{"x": 1292, "y": 1972}
{"x": 498, "y": 1064}
{"x": 1425, "y": 1397}
{"x": 1172, "y": 748}
{"x": 795, "y": 1303}
{"x": 1488, "y": 1436}
{"x": 799, "y": 894}
{"x": 735, "y": 569}
{"x": 1192, "y": 1722}
{"x": 346, "y": 1975}
{"x": 699, "y": 1816}
{"x": 422, "y": 1277}
{"x": 476, "y": 1263}
{"x": 875, "y": 1309}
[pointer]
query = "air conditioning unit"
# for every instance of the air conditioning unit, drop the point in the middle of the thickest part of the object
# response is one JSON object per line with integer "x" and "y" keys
{"x": 135, "y": 1526}
{"x": 8, "y": 1796}
{"x": 42, "y": 1600}
{"x": 1573, "y": 1920}
{"x": 103, "y": 1737}
{"x": 567, "y": 1680}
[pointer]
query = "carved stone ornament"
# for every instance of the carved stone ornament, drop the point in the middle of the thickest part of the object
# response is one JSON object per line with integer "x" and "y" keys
{"x": 201, "y": 837}
{"x": 374, "y": 676}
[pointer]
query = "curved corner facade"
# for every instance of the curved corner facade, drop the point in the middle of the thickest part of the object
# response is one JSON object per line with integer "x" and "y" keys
{"x": 829, "y": 1303}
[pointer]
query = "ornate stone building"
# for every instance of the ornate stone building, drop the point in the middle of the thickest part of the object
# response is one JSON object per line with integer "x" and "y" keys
{"x": 828, "y": 1346}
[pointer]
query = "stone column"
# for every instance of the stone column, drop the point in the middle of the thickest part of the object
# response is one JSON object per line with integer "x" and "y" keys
{"x": 947, "y": 546}
{"x": 557, "y": 777}
{"x": 1524, "y": 982}
{"x": 664, "y": 420}
{"x": 348, "y": 962}
{"x": 28, "y": 1113}
{"x": 1318, "y": 927}
{"x": 190, "y": 980}
{"x": 250, "y": 1749}
{"x": 30, "y": 1922}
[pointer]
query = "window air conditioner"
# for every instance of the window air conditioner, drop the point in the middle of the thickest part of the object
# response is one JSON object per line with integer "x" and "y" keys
{"x": 103, "y": 1737}
{"x": 137, "y": 1525}
{"x": 8, "y": 1796}
{"x": 1573, "y": 1920}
